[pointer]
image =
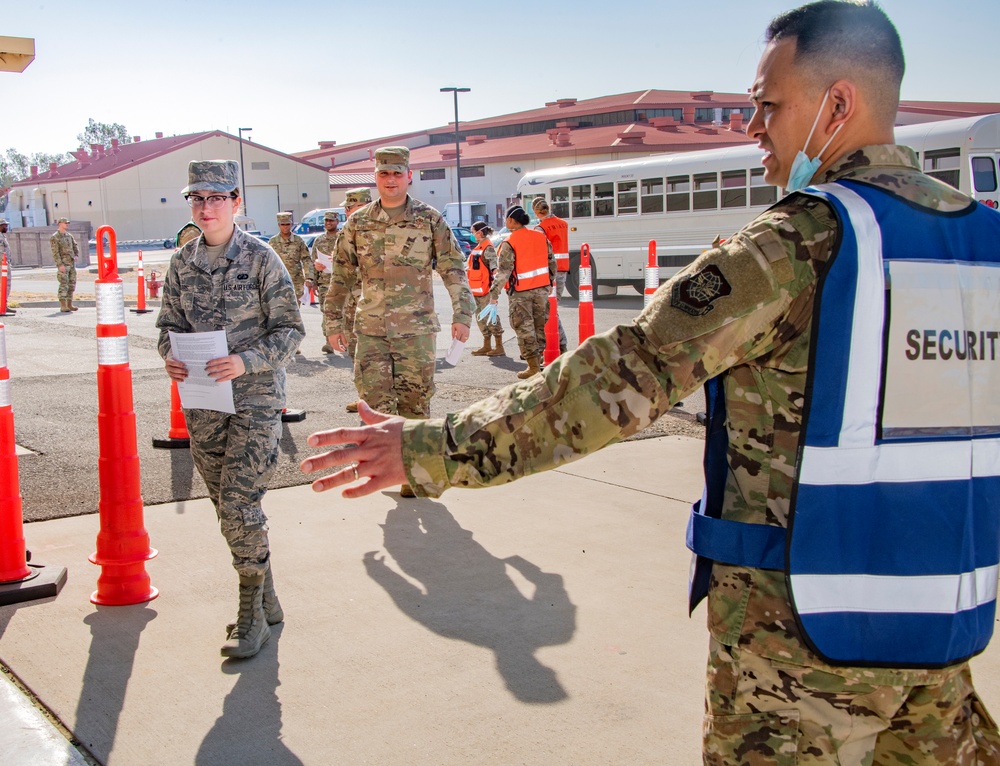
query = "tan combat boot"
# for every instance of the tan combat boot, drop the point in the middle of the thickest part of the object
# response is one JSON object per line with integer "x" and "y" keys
{"x": 497, "y": 347}
{"x": 485, "y": 348}
{"x": 251, "y": 630}
{"x": 273, "y": 612}
{"x": 63, "y": 308}
{"x": 70, "y": 306}
{"x": 352, "y": 406}
{"x": 533, "y": 368}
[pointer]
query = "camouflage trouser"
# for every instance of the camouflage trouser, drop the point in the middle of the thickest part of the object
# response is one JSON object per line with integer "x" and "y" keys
{"x": 482, "y": 301}
{"x": 529, "y": 311}
{"x": 560, "y": 289}
{"x": 762, "y": 712}
{"x": 299, "y": 283}
{"x": 396, "y": 375}
{"x": 322, "y": 285}
{"x": 350, "y": 311}
{"x": 236, "y": 455}
{"x": 67, "y": 283}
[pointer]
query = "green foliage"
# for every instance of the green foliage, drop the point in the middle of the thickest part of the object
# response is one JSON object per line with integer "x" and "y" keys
{"x": 102, "y": 133}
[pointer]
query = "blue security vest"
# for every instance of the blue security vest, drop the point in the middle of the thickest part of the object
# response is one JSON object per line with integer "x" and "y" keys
{"x": 893, "y": 544}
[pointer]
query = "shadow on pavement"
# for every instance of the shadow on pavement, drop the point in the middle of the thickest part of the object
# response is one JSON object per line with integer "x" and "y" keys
{"x": 249, "y": 729}
{"x": 181, "y": 476}
{"x": 468, "y": 595}
{"x": 115, "y": 632}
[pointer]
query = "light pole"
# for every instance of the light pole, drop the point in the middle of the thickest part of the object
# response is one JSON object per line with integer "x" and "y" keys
{"x": 243, "y": 173}
{"x": 458, "y": 159}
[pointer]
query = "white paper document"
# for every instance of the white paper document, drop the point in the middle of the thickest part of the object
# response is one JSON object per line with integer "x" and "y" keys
{"x": 327, "y": 261}
{"x": 455, "y": 352}
{"x": 198, "y": 391}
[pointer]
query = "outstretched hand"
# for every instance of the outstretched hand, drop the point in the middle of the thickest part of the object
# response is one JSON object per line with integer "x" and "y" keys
{"x": 373, "y": 455}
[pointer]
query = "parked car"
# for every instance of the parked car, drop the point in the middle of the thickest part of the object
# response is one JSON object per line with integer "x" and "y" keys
{"x": 313, "y": 220}
{"x": 465, "y": 238}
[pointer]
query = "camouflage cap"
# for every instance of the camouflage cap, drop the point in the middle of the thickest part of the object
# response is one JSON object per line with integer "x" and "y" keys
{"x": 63, "y": 220}
{"x": 360, "y": 196}
{"x": 331, "y": 215}
{"x": 212, "y": 175}
{"x": 393, "y": 158}
{"x": 186, "y": 233}
{"x": 284, "y": 217}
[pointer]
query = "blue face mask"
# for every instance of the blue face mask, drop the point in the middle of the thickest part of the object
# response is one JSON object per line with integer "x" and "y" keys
{"x": 803, "y": 168}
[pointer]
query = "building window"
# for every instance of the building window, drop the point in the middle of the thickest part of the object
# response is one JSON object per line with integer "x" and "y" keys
{"x": 678, "y": 193}
{"x": 604, "y": 199}
{"x": 761, "y": 192}
{"x": 652, "y": 195}
{"x": 943, "y": 165}
{"x": 734, "y": 188}
{"x": 581, "y": 201}
{"x": 984, "y": 174}
{"x": 559, "y": 204}
{"x": 628, "y": 203}
{"x": 432, "y": 174}
{"x": 706, "y": 191}
{"x": 472, "y": 171}
{"x": 260, "y": 165}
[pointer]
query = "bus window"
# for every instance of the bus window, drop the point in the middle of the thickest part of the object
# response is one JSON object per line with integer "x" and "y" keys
{"x": 734, "y": 188}
{"x": 581, "y": 201}
{"x": 604, "y": 199}
{"x": 678, "y": 193}
{"x": 943, "y": 165}
{"x": 560, "y": 201}
{"x": 984, "y": 174}
{"x": 761, "y": 193}
{"x": 652, "y": 195}
{"x": 706, "y": 191}
{"x": 628, "y": 199}
{"x": 526, "y": 201}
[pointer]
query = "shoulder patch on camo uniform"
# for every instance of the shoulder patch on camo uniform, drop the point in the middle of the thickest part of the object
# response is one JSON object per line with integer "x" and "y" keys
{"x": 696, "y": 293}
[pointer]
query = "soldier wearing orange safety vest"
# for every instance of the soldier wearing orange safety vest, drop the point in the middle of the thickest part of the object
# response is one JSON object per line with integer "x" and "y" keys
{"x": 556, "y": 230}
{"x": 526, "y": 259}
{"x": 481, "y": 266}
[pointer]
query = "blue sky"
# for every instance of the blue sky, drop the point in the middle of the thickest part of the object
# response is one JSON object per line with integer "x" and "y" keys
{"x": 298, "y": 71}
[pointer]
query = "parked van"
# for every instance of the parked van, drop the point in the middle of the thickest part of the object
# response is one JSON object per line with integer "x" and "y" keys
{"x": 313, "y": 220}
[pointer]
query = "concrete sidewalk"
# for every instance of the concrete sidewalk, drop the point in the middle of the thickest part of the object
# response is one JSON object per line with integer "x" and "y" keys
{"x": 538, "y": 623}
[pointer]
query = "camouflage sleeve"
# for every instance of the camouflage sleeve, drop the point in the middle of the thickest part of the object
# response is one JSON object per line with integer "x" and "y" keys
{"x": 451, "y": 267}
{"x": 505, "y": 257}
{"x": 490, "y": 256}
{"x": 732, "y": 305}
{"x": 342, "y": 280}
{"x": 281, "y": 322}
{"x": 552, "y": 263}
{"x": 307, "y": 261}
{"x": 171, "y": 317}
{"x": 76, "y": 247}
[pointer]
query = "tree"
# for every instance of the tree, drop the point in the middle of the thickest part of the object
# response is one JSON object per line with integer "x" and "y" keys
{"x": 102, "y": 133}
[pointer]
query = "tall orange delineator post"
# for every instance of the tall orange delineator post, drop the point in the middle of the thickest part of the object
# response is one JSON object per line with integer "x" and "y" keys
{"x": 652, "y": 275}
{"x": 140, "y": 303}
{"x": 586, "y": 295}
{"x": 178, "y": 436}
{"x": 312, "y": 296}
{"x": 18, "y": 581}
{"x": 552, "y": 328}
{"x": 123, "y": 543}
{"x": 4, "y": 286}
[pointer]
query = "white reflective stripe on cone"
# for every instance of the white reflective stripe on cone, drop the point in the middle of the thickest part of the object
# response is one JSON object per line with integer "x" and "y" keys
{"x": 4, "y": 393}
{"x": 112, "y": 350}
{"x": 110, "y": 303}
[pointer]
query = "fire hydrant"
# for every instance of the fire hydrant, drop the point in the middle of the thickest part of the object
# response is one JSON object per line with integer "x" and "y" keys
{"x": 154, "y": 283}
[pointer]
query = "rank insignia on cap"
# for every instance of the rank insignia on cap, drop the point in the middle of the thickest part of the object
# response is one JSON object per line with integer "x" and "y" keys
{"x": 695, "y": 294}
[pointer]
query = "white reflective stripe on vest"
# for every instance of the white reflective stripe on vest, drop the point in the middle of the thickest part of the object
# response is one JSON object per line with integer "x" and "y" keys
{"x": 902, "y": 462}
{"x": 562, "y": 257}
{"x": 924, "y": 594}
{"x": 530, "y": 274}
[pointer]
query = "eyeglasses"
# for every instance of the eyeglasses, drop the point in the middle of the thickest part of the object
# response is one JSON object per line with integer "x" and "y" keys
{"x": 211, "y": 201}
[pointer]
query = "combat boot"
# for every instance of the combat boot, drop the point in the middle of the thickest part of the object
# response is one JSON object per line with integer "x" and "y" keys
{"x": 273, "y": 612}
{"x": 70, "y": 306}
{"x": 352, "y": 406}
{"x": 497, "y": 347}
{"x": 63, "y": 308}
{"x": 405, "y": 490}
{"x": 485, "y": 348}
{"x": 251, "y": 630}
{"x": 533, "y": 368}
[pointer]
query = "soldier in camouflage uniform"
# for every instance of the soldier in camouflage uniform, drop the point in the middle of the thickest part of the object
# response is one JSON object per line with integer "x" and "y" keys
{"x": 529, "y": 309}
{"x": 355, "y": 199}
{"x": 4, "y": 245}
{"x": 769, "y": 698}
{"x": 65, "y": 251}
{"x": 392, "y": 247}
{"x": 229, "y": 280}
{"x": 324, "y": 245}
{"x": 294, "y": 254}
{"x": 485, "y": 274}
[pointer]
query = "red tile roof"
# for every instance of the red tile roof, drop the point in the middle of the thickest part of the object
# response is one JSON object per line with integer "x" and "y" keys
{"x": 106, "y": 161}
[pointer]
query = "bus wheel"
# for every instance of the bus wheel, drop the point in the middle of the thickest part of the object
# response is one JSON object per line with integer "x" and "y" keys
{"x": 573, "y": 276}
{"x": 639, "y": 287}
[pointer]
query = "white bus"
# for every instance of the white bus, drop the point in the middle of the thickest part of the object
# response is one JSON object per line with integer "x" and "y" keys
{"x": 684, "y": 200}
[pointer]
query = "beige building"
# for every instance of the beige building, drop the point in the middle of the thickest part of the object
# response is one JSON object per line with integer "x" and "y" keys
{"x": 136, "y": 187}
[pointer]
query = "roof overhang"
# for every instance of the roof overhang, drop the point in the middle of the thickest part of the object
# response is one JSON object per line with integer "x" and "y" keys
{"x": 16, "y": 53}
